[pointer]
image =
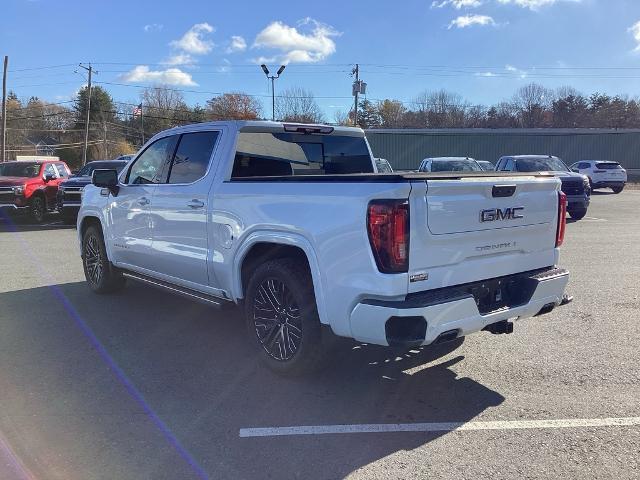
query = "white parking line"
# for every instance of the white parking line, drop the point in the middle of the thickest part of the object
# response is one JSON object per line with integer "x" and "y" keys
{"x": 439, "y": 427}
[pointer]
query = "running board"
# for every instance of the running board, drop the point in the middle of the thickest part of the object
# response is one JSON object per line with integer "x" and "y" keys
{"x": 183, "y": 291}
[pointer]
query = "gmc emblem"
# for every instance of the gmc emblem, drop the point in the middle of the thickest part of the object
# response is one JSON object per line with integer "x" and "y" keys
{"x": 494, "y": 214}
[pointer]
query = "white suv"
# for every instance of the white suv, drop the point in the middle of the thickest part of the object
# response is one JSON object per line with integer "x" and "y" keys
{"x": 602, "y": 174}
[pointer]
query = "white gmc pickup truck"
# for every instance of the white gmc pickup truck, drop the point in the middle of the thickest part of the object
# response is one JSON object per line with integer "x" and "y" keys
{"x": 293, "y": 223}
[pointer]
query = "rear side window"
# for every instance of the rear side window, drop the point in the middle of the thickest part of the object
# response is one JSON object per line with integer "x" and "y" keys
{"x": 285, "y": 154}
{"x": 192, "y": 157}
{"x": 583, "y": 165}
{"x": 152, "y": 166}
{"x": 62, "y": 170}
{"x": 608, "y": 165}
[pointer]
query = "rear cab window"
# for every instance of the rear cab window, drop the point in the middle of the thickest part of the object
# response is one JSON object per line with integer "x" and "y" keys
{"x": 192, "y": 157}
{"x": 265, "y": 154}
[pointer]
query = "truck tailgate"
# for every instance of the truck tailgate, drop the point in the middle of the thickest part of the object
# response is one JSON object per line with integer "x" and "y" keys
{"x": 469, "y": 229}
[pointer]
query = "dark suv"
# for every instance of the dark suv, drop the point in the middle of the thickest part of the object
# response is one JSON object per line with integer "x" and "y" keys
{"x": 70, "y": 191}
{"x": 574, "y": 185}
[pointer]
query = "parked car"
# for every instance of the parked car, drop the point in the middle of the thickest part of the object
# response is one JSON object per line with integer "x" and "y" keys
{"x": 449, "y": 164}
{"x": 126, "y": 157}
{"x": 486, "y": 165}
{"x": 383, "y": 166}
{"x": 70, "y": 191}
{"x": 31, "y": 186}
{"x": 293, "y": 223}
{"x": 602, "y": 174}
{"x": 574, "y": 185}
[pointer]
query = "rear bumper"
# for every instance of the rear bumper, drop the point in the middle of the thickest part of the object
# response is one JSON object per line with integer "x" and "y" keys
{"x": 429, "y": 315}
{"x": 609, "y": 184}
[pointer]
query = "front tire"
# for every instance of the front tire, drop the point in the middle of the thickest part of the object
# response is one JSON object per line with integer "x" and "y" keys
{"x": 101, "y": 275}
{"x": 282, "y": 318}
{"x": 577, "y": 214}
{"x": 38, "y": 208}
{"x": 617, "y": 189}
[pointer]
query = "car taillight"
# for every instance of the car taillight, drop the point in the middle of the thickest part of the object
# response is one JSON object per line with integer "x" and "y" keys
{"x": 562, "y": 218}
{"x": 388, "y": 228}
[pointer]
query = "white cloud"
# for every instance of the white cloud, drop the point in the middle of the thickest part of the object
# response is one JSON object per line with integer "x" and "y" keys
{"x": 485, "y": 74}
{"x": 534, "y": 4}
{"x": 513, "y": 70}
{"x": 194, "y": 41}
{"x": 153, "y": 27}
{"x": 179, "y": 59}
{"x": 237, "y": 44}
{"x": 170, "y": 76}
{"x": 457, "y": 4}
{"x": 296, "y": 46}
{"x": 635, "y": 31}
{"x": 464, "y": 21}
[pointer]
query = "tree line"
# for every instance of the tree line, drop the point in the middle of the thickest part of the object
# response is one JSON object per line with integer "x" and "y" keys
{"x": 35, "y": 126}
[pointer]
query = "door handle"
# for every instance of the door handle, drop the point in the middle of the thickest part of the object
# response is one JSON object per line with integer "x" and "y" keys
{"x": 143, "y": 201}
{"x": 195, "y": 204}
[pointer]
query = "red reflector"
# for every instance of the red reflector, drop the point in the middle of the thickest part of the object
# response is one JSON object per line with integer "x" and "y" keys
{"x": 388, "y": 228}
{"x": 562, "y": 218}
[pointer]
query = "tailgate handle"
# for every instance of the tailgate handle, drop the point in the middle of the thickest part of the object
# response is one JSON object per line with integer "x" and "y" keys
{"x": 501, "y": 191}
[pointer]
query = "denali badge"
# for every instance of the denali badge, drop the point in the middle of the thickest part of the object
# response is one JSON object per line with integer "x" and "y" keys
{"x": 493, "y": 214}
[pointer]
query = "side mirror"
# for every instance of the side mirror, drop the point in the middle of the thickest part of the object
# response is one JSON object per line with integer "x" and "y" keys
{"x": 105, "y": 178}
{"x": 48, "y": 177}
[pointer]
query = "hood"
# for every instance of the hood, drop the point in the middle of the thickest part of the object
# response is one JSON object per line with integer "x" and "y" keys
{"x": 13, "y": 181}
{"x": 76, "y": 182}
{"x": 570, "y": 177}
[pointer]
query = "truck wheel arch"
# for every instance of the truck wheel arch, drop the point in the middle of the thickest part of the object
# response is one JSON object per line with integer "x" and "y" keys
{"x": 259, "y": 248}
{"x": 86, "y": 223}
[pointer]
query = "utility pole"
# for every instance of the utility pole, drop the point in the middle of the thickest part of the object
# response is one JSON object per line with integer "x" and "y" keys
{"x": 273, "y": 94}
{"x": 86, "y": 125}
{"x": 3, "y": 140}
{"x": 104, "y": 140}
{"x": 356, "y": 90}
{"x": 142, "y": 123}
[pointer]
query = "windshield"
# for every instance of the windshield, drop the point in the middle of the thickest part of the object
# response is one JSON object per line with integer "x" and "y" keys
{"x": 455, "y": 166}
{"x": 608, "y": 166}
{"x": 88, "y": 169}
{"x": 285, "y": 154}
{"x": 541, "y": 164}
{"x": 20, "y": 169}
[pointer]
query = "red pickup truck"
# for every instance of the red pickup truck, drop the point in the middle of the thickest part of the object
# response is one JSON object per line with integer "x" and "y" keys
{"x": 31, "y": 186}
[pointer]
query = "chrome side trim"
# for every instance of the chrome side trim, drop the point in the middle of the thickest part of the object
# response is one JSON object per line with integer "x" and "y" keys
{"x": 185, "y": 292}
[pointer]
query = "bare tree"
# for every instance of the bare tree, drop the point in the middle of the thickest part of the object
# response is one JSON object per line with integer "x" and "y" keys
{"x": 298, "y": 105}
{"x": 163, "y": 107}
{"x": 233, "y": 106}
{"x": 533, "y": 101}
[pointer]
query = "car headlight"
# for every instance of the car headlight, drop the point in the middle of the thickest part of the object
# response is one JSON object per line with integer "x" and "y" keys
{"x": 18, "y": 190}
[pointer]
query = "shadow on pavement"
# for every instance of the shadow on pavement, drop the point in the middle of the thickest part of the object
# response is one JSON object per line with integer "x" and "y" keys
{"x": 23, "y": 223}
{"x": 66, "y": 409}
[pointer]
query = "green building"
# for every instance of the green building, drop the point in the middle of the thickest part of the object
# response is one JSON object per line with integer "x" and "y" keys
{"x": 405, "y": 148}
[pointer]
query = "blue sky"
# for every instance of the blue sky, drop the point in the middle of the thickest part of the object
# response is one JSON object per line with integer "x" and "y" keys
{"x": 482, "y": 49}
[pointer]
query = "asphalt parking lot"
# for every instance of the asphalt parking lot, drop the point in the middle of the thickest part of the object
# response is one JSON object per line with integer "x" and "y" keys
{"x": 144, "y": 385}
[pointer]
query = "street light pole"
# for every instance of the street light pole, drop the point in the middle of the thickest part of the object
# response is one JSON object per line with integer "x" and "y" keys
{"x": 273, "y": 87}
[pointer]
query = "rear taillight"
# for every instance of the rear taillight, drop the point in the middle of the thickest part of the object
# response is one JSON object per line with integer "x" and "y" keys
{"x": 562, "y": 218}
{"x": 388, "y": 227}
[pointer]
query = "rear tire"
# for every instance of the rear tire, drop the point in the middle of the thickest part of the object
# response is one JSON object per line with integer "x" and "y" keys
{"x": 101, "y": 275}
{"x": 617, "y": 189}
{"x": 282, "y": 318}
{"x": 577, "y": 214}
{"x": 38, "y": 208}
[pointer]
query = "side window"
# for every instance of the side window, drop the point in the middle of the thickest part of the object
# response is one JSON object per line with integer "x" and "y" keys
{"x": 583, "y": 165}
{"x": 499, "y": 164}
{"x": 192, "y": 157}
{"x": 50, "y": 170}
{"x": 152, "y": 166}
{"x": 510, "y": 165}
{"x": 62, "y": 170}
